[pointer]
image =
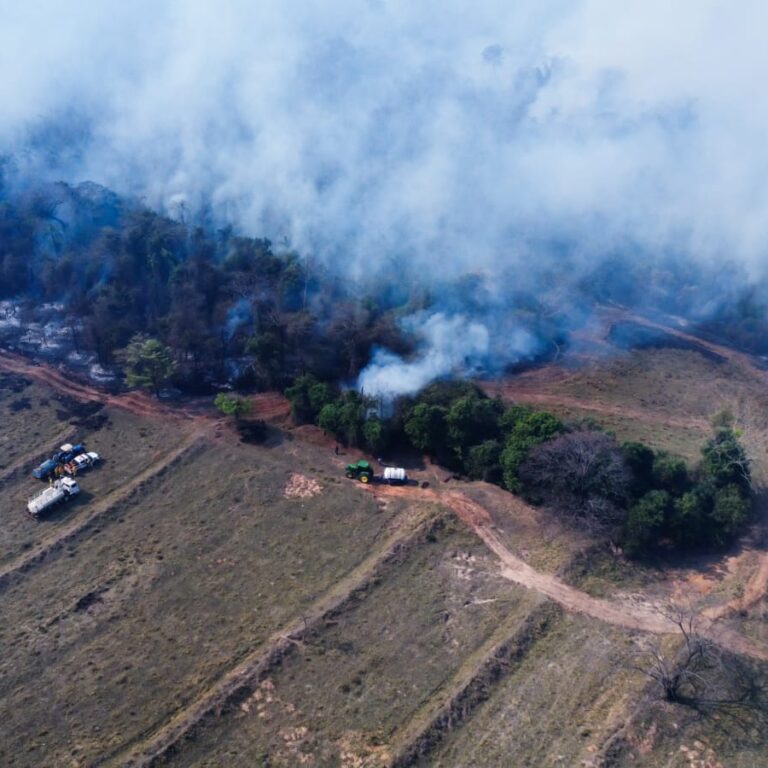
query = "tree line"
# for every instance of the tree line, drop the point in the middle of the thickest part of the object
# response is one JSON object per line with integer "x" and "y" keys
{"x": 648, "y": 501}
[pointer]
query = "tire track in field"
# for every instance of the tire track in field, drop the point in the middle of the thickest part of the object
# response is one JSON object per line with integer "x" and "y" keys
{"x": 97, "y": 510}
{"x": 150, "y": 748}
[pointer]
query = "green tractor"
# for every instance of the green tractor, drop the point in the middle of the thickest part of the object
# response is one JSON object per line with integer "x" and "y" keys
{"x": 361, "y": 471}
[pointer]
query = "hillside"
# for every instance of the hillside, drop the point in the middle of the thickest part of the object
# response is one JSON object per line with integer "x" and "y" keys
{"x": 212, "y": 603}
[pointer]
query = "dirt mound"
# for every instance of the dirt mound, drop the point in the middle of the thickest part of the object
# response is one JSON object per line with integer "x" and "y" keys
{"x": 301, "y": 487}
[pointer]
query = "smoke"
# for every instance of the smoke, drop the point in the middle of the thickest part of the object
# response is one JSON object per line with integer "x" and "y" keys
{"x": 384, "y": 130}
{"x": 239, "y": 315}
{"x": 451, "y": 345}
{"x": 400, "y": 140}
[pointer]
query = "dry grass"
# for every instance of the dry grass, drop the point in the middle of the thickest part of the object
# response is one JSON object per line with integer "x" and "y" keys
{"x": 143, "y": 612}
{"x": 342, "y": 696}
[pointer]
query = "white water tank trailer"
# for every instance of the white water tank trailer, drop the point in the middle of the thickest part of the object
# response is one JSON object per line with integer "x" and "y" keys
{"x": 395, "y": 475}
{"x": 61, "y": 490}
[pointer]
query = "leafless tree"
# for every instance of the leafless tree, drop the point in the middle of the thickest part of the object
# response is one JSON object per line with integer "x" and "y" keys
{"x": 582, "y": 474}
{"x": 687, "y": 671}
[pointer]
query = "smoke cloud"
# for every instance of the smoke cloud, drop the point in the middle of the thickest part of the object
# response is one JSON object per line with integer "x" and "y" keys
{"x": 397, "y": 140}
{"x": 451, "y": 346}
{"x": 386, "y": 130}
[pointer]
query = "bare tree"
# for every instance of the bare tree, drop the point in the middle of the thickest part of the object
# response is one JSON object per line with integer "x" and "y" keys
{"x": 582, "y": 474}
{"x": 687, "y": 672}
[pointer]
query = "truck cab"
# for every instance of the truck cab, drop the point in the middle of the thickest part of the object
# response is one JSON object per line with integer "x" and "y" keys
{"x": 46, "y": 469}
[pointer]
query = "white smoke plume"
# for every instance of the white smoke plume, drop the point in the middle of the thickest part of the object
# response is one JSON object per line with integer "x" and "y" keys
{"x": 450, "y": 346}
{"x": 436, "y": 134}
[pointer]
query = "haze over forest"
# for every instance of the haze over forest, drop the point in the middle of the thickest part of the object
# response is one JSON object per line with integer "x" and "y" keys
{"x": 381, "y": 129}
{"x": 531, "y": 145}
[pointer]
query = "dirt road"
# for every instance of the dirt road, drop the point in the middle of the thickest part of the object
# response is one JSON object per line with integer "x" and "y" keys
{"x": 270, "y": 406}
{"x": 631, "y": 614}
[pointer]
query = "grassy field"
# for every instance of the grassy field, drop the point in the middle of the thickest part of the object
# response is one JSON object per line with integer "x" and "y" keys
{"x": 385, "y": 631}
{"x": 127, "y": 447}
{"x": 554, "y": 708}
{"x": 345, "y": 693}
{"x": 32, "y": 416}
{"x": 130, "y": 620}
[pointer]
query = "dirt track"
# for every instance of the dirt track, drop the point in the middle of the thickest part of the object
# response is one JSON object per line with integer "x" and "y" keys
{"x": 633, "y": 615}
{"x": 271, "y": 406}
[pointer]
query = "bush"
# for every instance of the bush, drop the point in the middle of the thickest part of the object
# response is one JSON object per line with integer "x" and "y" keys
{"x": 646, "y": 521}
{"x": 483, "y": 461}
{"x": 582, "y": 474}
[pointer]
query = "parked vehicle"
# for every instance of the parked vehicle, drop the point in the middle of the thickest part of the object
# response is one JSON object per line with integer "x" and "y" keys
{"x": 45, "y": 470}
{"x": 62, "y": 490}
{"x": 81, "y": 462}
{"x": 67, "y": 452}
{"x": 395, "y": 476}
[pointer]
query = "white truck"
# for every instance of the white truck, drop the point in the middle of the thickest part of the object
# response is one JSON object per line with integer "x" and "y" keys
{"x": 61, "y": 490}
{"x": 395, "y": 476}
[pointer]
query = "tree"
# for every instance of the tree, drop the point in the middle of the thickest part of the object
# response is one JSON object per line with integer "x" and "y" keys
{"x": 302, "y": 408}
{"x": 730, "y": 511}
{"x": 375, "y": 435}
{"x": 328, "y": 418}
{"x": 670, "y": 473}
{"x": 639, "y": 460}
{"x": 471, "y": 419}
{"x": 645, "y": 521}
{"x": 582, "y": 474}
{"x": 725, "y": 462}
{"x": 688, "y": 522}
{"x": 232, "y": 405}
{"x": 529, "y": 429}
{"x": 148, "y": 363}
{"x": 425, "y": 427}
{"x": 684, "y": 674}
{"x": 483, "y": 461}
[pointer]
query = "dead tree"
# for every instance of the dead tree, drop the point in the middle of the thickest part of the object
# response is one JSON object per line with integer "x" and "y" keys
{"x": 686, "y": 673}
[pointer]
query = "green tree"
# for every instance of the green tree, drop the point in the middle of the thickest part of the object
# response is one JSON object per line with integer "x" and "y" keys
{"x": 639, "y": 460}
{"x": 688, "y": 520}
{"x": 512, "y": 415}
{"x": 303, "y": 410}
{"x": 725, "y": 462}
{"x": 149, "y": 364}
{"x": 425, "y": 427}
{"x": 531, "y": 428}
{"x": 645, "y": 521}
{"x": 375, "y": 435}
{"x": 483, "y": 461}
{"x": 470, "y": 420}
{"x": 328, "y": 418}
{"x": 670, "y": 473}
{"x": 730, "y": 511}
{"x": 232, "y": 405}
{"x": 352, "y": 412}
